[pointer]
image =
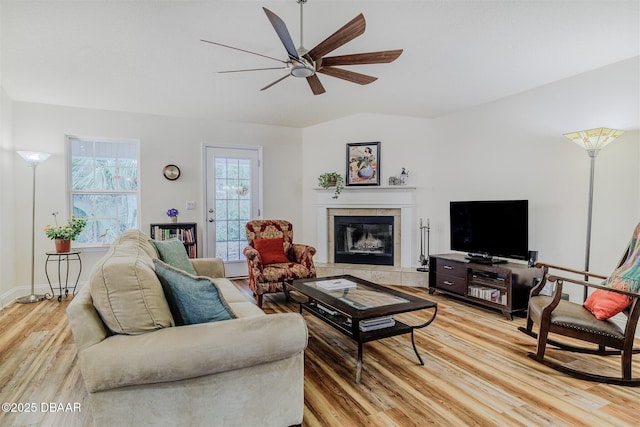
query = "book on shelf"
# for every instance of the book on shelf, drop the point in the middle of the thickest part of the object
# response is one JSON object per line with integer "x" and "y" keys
{"x": 183, "y": 234}
{"x": 335, "y": 284}
{"x": 376, "y": 323}
{"x": 186, "y": 235}
{"x": 327, "y": 310}
{"x": 375, "y": 320}
{"x": 488, "y": 294}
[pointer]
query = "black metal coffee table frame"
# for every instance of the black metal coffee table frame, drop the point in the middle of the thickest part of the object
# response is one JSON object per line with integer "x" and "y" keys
{"x": 347, "y": 318}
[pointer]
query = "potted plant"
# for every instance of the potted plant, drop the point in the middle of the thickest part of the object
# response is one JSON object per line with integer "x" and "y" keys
{"x": 330, "y": 180}
{"x": 173, "y": 214}
{"x": 64, "y": 234}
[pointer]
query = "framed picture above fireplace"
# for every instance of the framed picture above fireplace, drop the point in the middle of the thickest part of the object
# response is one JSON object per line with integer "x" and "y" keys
{"x": 363, "y": 163}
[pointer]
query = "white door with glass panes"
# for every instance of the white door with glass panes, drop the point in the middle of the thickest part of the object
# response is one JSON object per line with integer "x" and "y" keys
{"x": 232, "y": 193}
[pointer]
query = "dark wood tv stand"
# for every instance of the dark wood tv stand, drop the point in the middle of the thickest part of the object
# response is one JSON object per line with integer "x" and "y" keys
{"x": 503, "y": 286}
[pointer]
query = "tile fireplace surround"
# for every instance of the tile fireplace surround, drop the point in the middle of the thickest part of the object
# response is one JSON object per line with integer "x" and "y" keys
{"x": 396, "y": 201}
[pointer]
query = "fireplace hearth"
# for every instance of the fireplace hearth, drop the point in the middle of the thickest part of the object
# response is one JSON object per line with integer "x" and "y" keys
{"x": 364, "y": 240}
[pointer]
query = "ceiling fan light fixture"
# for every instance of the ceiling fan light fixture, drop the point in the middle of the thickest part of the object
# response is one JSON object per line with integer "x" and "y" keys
{"x": 302, "y": 70}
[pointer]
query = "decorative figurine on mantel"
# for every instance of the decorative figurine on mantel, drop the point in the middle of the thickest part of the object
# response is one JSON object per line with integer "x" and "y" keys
{"x": 399, "y": 180}
{"x": 404, "y": 176}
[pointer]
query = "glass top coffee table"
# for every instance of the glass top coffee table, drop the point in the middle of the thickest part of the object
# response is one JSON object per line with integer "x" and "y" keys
{"x": 360, "y": 309}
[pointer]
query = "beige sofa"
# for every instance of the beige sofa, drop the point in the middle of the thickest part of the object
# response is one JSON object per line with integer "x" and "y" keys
{"x": 246, "y": 371}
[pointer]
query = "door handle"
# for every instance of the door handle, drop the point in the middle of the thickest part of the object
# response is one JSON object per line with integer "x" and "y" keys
{"x": 211, "y": 219}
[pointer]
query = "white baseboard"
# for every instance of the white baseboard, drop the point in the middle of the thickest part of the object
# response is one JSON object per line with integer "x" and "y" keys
{"x": 40, "y": 289}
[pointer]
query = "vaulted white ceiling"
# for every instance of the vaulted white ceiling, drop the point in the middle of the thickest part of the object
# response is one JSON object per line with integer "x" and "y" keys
{"x": 145, "y": 56}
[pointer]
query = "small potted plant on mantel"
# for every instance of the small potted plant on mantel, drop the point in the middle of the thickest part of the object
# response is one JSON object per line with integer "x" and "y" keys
{"x": 330, "y": 180}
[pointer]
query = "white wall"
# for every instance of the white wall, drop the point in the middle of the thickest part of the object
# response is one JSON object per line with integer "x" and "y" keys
{"x": 6, "y": 190}
{"x": 405, "y": 142}
{"x": 7, "y": 195}
{"x": 512, "y": 149}
{"x": 163, "y": 140}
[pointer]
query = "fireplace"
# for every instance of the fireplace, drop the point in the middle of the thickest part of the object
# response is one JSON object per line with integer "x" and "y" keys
{"x": 397, "y": 201}
{"x": 364, "y": 240}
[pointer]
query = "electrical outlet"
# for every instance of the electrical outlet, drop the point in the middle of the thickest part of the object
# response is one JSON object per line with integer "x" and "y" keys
{"x": 191, "y": 205}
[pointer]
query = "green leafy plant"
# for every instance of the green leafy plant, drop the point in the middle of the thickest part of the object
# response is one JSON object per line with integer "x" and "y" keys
{"x": 68, "y": 231}
{"x": 330, "y": 180}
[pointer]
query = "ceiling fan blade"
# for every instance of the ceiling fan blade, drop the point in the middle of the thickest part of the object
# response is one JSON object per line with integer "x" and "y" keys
{"x": 361, "y": 79}
{"x": 348, "y": 32}
{"x": 251, "y": 69}
{"x": 277, "y": 81}
{"x": 315, "y": 85}
{"x": 362, "y": 58}
{"x": 243, "y": 50}
{"x": 283, "y": 33}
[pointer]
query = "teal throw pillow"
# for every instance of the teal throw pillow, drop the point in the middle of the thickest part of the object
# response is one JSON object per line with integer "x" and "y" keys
{"x": 191, "y": 299}
{"x": 174, "y": 253}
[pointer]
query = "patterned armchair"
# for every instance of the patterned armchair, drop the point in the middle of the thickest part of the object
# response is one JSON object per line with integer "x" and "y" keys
{"x": 267, "y": 277}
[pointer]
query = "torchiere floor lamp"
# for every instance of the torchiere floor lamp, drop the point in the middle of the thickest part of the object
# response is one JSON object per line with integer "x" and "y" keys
{"x": 592, "y": 140}
{"x": 33, "y": 158}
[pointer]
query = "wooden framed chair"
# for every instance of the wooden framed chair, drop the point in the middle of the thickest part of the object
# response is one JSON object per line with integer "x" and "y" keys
{"x": 270, "y": 264}
{"x": 554, "y": 315}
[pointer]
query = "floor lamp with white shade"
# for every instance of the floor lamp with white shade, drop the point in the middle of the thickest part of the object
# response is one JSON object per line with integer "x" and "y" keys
{"x": 33, "y": 158}
{"x": 592, "y": 140}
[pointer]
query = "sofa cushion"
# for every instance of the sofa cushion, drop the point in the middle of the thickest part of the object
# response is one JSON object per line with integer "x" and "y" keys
{"x": 174, "y": 253}
{"x": 192, "y": 299}
{"x": 125, "y": 289}
{"x": 271, "y": 250}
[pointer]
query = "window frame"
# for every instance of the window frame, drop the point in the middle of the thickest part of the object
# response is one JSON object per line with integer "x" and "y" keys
{"x": 69, "y": 191}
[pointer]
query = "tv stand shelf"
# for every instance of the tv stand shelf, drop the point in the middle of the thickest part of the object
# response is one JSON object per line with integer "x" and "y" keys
{"x": 502, "y": 286}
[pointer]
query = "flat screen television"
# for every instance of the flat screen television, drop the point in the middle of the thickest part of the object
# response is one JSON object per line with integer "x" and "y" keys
{"x": 493, "y": 228}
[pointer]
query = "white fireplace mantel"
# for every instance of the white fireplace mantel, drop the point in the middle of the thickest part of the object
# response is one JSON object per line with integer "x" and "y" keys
{"x": 374, "y": 197}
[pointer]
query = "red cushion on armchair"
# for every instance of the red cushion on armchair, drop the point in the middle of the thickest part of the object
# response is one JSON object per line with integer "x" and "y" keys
{"x": 271, "y": 250}
{"x": 604, "y": 304}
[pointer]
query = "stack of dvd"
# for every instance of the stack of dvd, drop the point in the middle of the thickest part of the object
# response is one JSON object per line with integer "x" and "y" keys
{"x": 377, "y": 323}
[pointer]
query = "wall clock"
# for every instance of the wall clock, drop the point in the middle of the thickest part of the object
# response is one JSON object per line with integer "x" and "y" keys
{"x": 171, "y": 172}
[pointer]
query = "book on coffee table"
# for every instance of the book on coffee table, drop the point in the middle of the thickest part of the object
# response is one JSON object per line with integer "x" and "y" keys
{"x": 377, "y": 323}
{"x": 335, "y": 284}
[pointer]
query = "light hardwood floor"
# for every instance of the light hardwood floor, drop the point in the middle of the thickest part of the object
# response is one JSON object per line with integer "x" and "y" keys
{"x": 476, "y": 372}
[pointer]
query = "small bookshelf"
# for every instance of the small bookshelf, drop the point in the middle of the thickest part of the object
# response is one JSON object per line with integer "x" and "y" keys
{"x": 183, "y": 231}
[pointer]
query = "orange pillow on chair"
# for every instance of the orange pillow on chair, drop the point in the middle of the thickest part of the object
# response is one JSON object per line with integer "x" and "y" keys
{"x": 604, "y": 304}
{"x": 271, "y": 250}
